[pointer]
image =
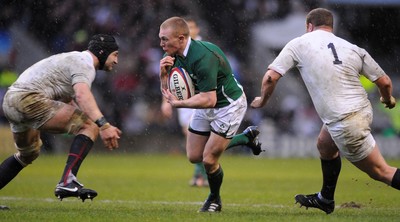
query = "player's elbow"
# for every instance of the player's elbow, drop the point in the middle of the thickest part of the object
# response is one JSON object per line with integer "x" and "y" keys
{"x": 208, "y": 99}
{"x": 212, "y": 102}
{"x": 271, "y": 77}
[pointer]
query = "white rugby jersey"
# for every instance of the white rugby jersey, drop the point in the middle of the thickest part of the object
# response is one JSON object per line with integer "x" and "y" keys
{"x": 330, "y": 67}
{"x": 55, "y": 76}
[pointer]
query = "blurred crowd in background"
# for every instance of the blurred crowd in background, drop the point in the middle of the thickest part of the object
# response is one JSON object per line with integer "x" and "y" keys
{"x": 130, "y": 97}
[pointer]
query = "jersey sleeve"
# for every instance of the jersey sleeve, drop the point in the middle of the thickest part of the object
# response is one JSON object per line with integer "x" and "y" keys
{"x": 286, "y": 58}
{"x": 370, "y": 68}
{"x": 81, "y": 72}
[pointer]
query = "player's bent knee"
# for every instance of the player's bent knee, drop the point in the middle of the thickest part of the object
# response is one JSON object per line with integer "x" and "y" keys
{"x": 194, "y": 159}
{"x": 26, "y": 155}
{"x": 194, "y": 156}
{"x": 327, "y": 151}
{"x": 209, "y": 163}
{"x": 78, "y": 121}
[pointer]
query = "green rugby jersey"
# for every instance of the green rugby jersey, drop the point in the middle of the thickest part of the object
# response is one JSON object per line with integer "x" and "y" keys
{"x": 210, "y": 70}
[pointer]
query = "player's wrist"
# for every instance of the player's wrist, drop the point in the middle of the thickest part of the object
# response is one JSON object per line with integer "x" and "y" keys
{"x": 100, "y": 122}
{"x": 105, "y": 126}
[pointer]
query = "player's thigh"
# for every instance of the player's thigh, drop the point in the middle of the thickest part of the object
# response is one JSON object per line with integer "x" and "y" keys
{"x": 198, "y": 134}
{"x": 71, "y": 120}
{"x": 326, "y": 146}
{"x": 215, "y": 146}
{"x": 65, "y": 116}
{"x": 195, "y": 144}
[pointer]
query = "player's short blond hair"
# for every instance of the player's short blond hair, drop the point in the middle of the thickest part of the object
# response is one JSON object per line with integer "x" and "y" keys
{"x": 177, "y": 24}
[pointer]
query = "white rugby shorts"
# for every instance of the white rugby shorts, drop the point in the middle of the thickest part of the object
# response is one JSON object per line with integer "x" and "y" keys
{"x": 184, "y": 116}
{"x": 25, "y": 110}
{"x": 352, "y": 135}
{"x": 223, "y": 121}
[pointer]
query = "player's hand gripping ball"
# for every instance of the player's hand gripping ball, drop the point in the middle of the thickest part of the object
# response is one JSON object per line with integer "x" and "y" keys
{"x": 180, "y": 83}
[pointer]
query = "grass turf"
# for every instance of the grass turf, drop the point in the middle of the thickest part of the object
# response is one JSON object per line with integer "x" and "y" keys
{"x": 148, "y": 187}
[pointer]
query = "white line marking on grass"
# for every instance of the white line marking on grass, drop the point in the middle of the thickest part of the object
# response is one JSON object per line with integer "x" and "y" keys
{"x": 11, "y": 198}
{"x": 155, "y": 202}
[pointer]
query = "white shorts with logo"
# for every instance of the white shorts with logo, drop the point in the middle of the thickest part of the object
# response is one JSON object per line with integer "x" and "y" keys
{"x": 352, "y": 135}
{"x": 223, "y": 121}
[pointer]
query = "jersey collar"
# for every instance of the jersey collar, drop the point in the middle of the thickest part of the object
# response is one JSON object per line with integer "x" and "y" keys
{"x": 187, "y": 47}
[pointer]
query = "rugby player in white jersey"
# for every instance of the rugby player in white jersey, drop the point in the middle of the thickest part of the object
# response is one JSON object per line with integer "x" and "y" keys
{"x": 54, "y": 96}
{"x": 331, "y": 67}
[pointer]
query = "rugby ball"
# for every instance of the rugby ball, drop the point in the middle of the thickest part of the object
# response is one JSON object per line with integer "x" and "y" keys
{"x": 180, "y": 83}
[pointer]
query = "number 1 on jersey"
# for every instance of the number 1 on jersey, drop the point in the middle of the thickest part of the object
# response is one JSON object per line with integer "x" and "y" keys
{"x": 332, "y": 47}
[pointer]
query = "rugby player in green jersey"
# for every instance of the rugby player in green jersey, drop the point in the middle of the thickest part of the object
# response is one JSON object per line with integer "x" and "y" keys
{"x": 220, "y": 103}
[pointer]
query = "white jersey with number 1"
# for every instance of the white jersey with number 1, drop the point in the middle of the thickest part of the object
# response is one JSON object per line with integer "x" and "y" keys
{"x": 330, "y": 67}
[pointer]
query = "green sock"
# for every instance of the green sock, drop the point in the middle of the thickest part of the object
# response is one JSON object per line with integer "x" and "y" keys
{"x": 198, "y": 167}
{"x": 202, "y": 171}
{"x": 239, "y": 139}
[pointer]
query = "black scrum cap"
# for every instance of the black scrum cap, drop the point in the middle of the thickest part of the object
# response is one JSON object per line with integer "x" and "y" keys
{"x": 102, "y": 45}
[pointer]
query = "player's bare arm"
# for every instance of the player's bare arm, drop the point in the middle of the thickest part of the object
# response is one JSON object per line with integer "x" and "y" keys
{"x": 165, "y": 64}
{"x": 201, "y": 100}
{"x": 86, "y": 102}
{"x": 166, "y": 109}
{"x": 269, "y": 82}
{"x": 384, "y": 84}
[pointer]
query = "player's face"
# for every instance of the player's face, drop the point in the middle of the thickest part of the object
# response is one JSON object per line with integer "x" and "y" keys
{"x": 170, "y": 43}
{"x": 112, "y": 60}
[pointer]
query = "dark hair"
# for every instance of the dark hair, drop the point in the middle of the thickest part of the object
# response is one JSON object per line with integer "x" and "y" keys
{"x": 320, "y": 17}
{"x": 102, "y": 45}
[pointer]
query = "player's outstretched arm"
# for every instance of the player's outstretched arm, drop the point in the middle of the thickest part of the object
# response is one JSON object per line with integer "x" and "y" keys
{"x": 268, "y": 84}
